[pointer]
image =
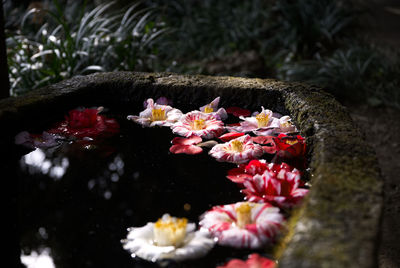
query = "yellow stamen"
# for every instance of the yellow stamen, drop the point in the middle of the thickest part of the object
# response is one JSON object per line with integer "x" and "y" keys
{"x": 237, "y": 146}
{"x": 158, "y": 115}
{"x": 198, "y": 124}
{"x": 170, "y": 231}
{"x": 243, "y": 214}
{"x": 262, "y": 119}
{"x": 286, "y": 124}
{"x": 208, "y": 109}
{"x": 291, "y": 142}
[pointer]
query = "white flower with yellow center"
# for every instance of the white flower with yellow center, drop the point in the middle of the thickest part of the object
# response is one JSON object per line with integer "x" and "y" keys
{"x": 239, "y": 150}
{"x": 168, "y": 238}
{"x": 244, "y": 224}
{"x": 264, "y": 123}
{"x": 156, "y": 115}
{"x": 196, "y": 123}
{"x": 212, "y": 108}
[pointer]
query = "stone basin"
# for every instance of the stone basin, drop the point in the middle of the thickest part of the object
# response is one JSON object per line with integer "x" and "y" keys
{"x": 337, "y": 224}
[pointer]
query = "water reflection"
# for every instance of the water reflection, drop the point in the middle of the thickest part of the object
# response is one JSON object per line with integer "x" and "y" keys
{"x": 38, "y": 259}
{"x": 37, "y": 161}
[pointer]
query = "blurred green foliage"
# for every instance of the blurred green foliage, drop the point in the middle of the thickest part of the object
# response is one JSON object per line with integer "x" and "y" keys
{"x": 295, "y": 40}
{"x": 98, "y": 39}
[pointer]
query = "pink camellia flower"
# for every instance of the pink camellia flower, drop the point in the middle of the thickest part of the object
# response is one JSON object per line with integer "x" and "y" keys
{"x": 267, "y": 143}
{"x": 32, "y": 141}
{"x": 81, "y": 123}
{"x": 200, "y": 124}
{"x": 239, "y": 150}
{"x": 186, "y": 145}
{"x": 278, "y": 186}
{"x": 254, "y": 261}
{"x": 243, "y": 224}
{"x": 156, "y": 115}
{"x": 212, "y": 108}
{"x": 262, "y": 122}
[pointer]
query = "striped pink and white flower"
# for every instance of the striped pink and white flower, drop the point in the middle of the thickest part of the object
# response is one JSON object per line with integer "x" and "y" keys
{"x": 243, "y": 224}
{"x": 280, "y": 189}
{"x": 156, "y": 115}
{"x": 199, "y": 124}
{"x": 239, "y": 150}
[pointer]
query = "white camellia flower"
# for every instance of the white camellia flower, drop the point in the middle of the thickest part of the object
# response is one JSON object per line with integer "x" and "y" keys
{"x": 264, "y": 123}
{"x": 156, "y": 115}
{"x": 212, "y": 108}
{"x": 168, "y": 238}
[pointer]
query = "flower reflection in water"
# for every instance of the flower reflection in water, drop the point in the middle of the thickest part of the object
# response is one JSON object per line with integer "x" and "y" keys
{"x": 38, "y": 259}
{"x": 37, "y": 162}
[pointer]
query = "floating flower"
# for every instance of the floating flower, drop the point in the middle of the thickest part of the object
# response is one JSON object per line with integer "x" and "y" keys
{"x": 284, "y": 126}
{"x": 263, "y": 121}
{"x": 212, "y": 108}
{"x": 236, "y": 111}
{"x": 290, "y": 146}
{"x": 168, "y": 238}
{"x": 255, "y": 167}
{"x": 81, "y": 123}
{"x": 200, "y": 124}
{"x": 254, "y": 261}
{"x": 278, "y": 186}
{"x": 32, "y": 141}
{"x": 159, "y": 101}
{"x": 156, "y": 115}
{"x": 239, "y": 150}
{"x": 243, "y": 225}
{"x": 186, "y": 145}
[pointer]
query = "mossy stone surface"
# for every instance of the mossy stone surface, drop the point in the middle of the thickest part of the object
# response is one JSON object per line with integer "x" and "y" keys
{"x": 338, "y": 223}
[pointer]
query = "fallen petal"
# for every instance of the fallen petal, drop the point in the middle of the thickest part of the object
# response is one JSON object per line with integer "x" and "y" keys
{"x": 186, "y": 141}
{"x": 230, "y": 136}
{"x": 185, "y": 149}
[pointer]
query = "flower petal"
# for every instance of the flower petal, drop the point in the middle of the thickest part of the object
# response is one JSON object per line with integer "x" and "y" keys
{"x": 186, "y": 141}
{"x": 230, "y": 136}
{"x": 185, "y": 149}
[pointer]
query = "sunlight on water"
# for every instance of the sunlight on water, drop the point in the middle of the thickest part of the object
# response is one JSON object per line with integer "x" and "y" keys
{"x": 36, "y": 161}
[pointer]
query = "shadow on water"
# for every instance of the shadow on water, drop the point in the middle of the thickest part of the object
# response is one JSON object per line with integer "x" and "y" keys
{"x": 77, "y": 200}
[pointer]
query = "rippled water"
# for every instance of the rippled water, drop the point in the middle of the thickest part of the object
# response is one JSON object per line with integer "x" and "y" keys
{"x": 77, "y": 200}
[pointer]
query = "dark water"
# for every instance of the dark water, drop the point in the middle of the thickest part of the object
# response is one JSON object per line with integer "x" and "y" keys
{"x": 78, "y": 199}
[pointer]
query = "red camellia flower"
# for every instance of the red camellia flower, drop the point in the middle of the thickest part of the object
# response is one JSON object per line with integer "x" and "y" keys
{"x": 254, "y": 261}
{"x": 82, "y": 123}
{"x": 278, "y": 186}
{"x": 186, "y": 145}
{"x": 290, "y": 146}
{"x": 254, "y": 167}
